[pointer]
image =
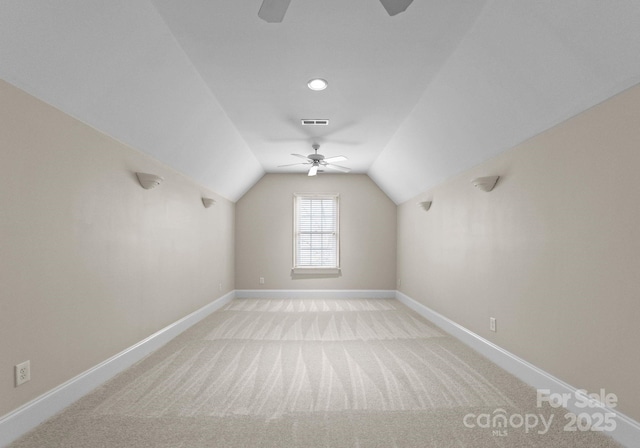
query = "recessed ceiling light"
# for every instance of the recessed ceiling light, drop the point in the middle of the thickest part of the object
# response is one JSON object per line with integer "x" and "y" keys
{"x": 317, "y": 84}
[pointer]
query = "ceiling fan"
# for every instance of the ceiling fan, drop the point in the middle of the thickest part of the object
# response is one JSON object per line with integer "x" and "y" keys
{"x": 273, "y": 11}
{"x": 318, "y": 161}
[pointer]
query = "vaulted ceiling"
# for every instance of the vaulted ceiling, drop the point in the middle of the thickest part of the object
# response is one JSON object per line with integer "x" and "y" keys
{"x": 209, "y": 88}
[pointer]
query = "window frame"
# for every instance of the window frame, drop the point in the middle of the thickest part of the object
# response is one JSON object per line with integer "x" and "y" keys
{"x": 315, "y": 270}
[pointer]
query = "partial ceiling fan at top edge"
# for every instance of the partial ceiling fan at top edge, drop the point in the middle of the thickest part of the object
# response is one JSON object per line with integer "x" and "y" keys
{"x": 273, "y": 11}
{"x": 394, "y": 7}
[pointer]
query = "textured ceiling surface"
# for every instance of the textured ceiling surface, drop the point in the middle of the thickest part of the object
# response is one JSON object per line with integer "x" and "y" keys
{"x": 212, "y": 90}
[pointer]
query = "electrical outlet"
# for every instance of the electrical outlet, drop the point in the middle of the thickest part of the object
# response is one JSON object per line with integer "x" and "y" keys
{"x": 23, "y": 372}
{"x": 262, "y": 280}
{"x": 492, "y": 324}
{"x": 220, "y": 287}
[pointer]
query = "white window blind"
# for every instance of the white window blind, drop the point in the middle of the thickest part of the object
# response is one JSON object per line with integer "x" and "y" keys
{"x": 316, "y": 231}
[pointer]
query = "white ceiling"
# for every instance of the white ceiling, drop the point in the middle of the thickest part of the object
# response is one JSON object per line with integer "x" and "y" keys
{"x": 210, "y": 89}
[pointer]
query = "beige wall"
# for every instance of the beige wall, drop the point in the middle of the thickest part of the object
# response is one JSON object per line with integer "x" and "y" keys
{"x": 553, "y": 252}
{"x": 264, "y": 228}
{"x": 90, "y": 262}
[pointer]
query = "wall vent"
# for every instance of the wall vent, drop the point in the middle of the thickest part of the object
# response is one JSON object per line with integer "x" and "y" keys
{"x": 314, "y": 122}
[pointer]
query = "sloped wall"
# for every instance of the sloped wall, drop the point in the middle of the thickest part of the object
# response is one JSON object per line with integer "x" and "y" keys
{"x": 552, "y": 252}
{"x": 90, "y": 262}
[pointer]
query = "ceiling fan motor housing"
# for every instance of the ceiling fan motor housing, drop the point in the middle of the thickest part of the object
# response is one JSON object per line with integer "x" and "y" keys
{"x": 316, "y": 157}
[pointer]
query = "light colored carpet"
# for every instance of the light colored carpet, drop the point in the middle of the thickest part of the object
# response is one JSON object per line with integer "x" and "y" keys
{"x": 309, "y": 373}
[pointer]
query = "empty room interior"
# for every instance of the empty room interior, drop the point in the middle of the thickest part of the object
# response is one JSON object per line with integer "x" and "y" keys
{"x": 373, "y": 223}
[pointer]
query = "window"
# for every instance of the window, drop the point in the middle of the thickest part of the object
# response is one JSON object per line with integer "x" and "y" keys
{"x": 316, "y": 235}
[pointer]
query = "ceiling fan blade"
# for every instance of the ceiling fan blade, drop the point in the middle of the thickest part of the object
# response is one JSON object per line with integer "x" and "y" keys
{"x": 313, "y": 171}
{"x": 273, "y": 11}
{"x": 335, "y": 159}
{"x": 338, "y": 167}
{"x": 394, "y": 7}
{"x": 302, "y": 157}
{"x": 292, "y": 164}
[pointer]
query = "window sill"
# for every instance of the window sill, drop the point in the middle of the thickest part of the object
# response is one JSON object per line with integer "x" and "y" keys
{"x": 316, "y": 271}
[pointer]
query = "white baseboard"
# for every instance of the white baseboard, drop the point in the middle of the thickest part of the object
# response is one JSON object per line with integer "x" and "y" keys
{"x": 627, "y": 430}
{"x": 315, "y": 294}
{"x": 31, "y": 414}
